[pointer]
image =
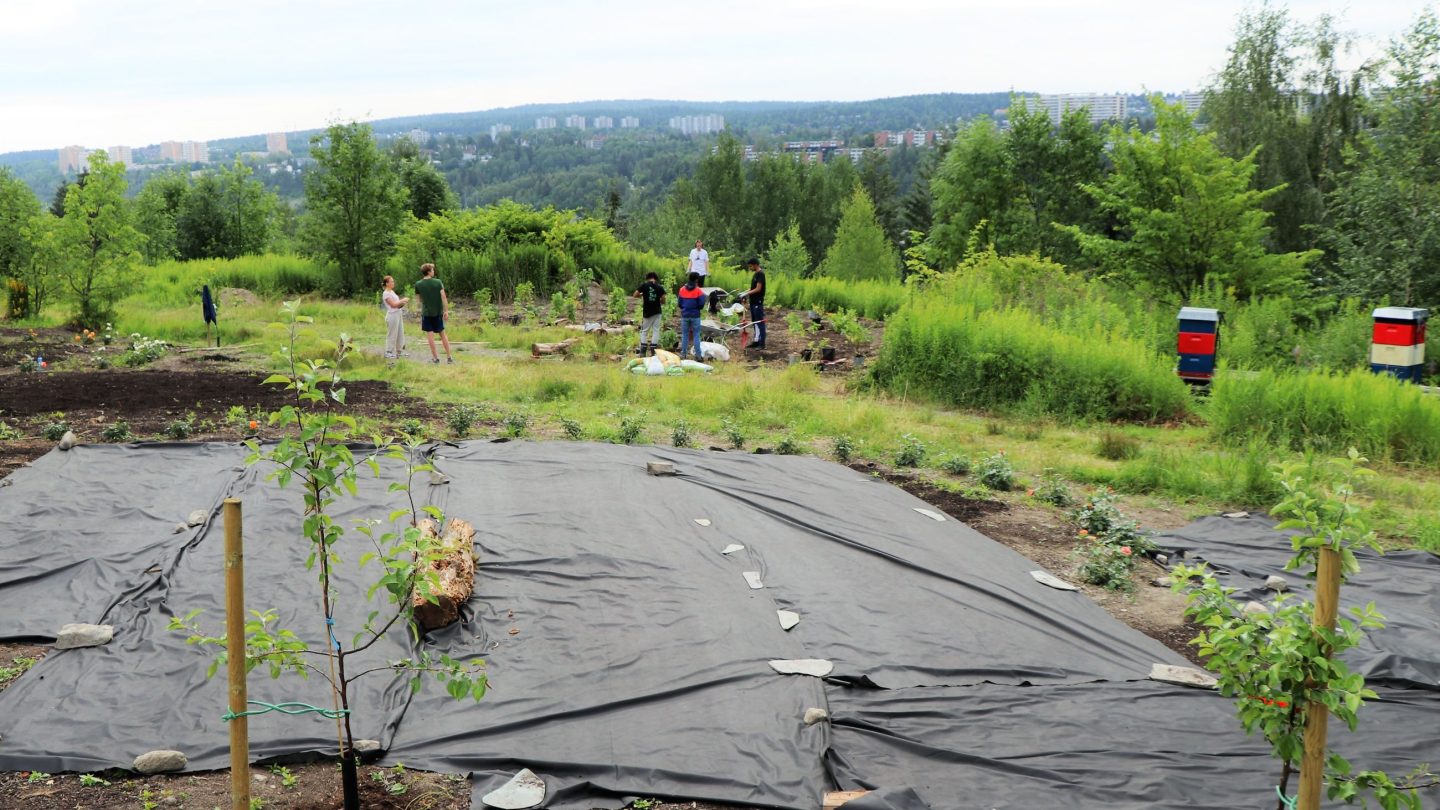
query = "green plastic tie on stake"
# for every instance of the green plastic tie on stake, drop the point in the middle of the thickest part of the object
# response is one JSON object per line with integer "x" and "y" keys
{"x": 1288, "y": 801}
{"x": 285, "y": 708}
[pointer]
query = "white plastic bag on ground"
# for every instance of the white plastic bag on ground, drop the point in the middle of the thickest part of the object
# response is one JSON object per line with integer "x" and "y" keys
{"x": 654, "y": 367}
{"x": 714, "y": 351}
{"x": 694, "y": 365}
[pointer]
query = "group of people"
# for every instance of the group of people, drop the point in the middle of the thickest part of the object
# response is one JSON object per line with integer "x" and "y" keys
{"x": 434, "y": 310}
{"x": 692, "y": 295}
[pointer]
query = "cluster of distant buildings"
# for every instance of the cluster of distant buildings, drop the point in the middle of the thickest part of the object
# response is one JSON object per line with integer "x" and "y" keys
{"x": 573, "y": 122}
{"x": 1101, "y": 107}
{"x": 73, "y": 158}
{"x": 823, "y": 151}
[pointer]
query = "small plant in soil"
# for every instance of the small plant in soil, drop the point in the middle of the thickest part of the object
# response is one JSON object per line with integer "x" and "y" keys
{"x": 287, "y": 778}
{"x": 37, "y": 776}
{"x": 180, "y": 429}
{"x": 734, "y": 433}
{"x": 143, "y": 350}
{"x": 956, "y": 465}
{"x": 1108, "y": 565}
{"x": 55, "y": 431}
{"x": 91, "y": 780}
{"x": 843, "y": 449}
{"x": 460, "y": 419}
{"x": 485, "y": 302}
{"x": 516, "y": 423}
{"x": 1052, "y": 490}
{"x": 680, "y": 435}
{"x": 573, "y": 429}
{"x": 911, "y": 453}
{"x": 996, "y": 473}
{"x": 994, "y": 428}
{"x": 28, "y": 366}
{"x": 413, "y": 428}
{"x": 315, "y": 451}
{"x": 632, "y": 428}
{"x": 18, "y": 667}
{"x": 8, "y": 433}
{"x": 790, "y": 444}
{"x": 117, "y": 431}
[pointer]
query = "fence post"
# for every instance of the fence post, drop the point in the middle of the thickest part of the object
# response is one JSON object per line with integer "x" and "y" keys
{"x": 235, "y": 656}
{"x": 1317, "y": 717}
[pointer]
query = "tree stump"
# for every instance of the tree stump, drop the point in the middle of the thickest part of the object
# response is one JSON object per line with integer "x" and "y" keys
{"x": 456, "y": 570}
{"x": 542, "y": 349}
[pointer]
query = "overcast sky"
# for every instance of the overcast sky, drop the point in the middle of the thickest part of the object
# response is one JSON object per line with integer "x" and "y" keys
{"x": 99, "y": 73}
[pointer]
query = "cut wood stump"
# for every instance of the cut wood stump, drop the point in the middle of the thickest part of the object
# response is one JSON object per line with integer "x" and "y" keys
{"x": 456, "y": 570}
{"x": 542, "y": 349}
{"x": 836, "y": 798}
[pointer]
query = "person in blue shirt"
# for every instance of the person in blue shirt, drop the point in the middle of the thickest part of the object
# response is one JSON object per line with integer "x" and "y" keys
{"x": 692, "y": 306}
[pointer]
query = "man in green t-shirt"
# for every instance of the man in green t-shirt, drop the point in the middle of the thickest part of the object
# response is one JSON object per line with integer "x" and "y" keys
{"x": 434, "y": 308}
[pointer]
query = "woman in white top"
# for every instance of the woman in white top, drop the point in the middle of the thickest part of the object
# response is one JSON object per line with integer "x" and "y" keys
{"x": 394, "y": 307}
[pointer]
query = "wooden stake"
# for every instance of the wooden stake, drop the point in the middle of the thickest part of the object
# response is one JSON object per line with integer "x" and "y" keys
{"x": 235, "y": 656}
{"x": 1317, "y": 717}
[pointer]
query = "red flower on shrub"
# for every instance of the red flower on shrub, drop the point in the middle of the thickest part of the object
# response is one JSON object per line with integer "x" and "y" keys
{"x": 1125, "y": 550}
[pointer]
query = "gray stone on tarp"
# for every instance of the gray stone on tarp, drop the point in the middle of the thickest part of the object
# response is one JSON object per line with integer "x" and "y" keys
{"x": 732, "y": 548}
{"x": 524, "y": 790}
{"x": 1276, "y": 583}
{"x": 1236, "y": 515}
{"x": 788, "y": 618}
{"x": 197, "y": 517}
{"x": 1254, "y": 607}
{"x": 1183, "y": 676}
{"x": 814, "y": 715}
{"x": 702, "y": 521}
{"x": 74, "y": 636}
{"x": 818, "y": 667}
{"x": 1051, "y": 581}
{"x": 752, "y": 578}
{"x": 932, "y": 514}
{"x": 438, "y": 478}
{"x": 1163, "y": 582}
{"x": 367, "y": 746}
{"x": 181, "y": 528}
{"x": 160, "y": 762}
{"x": 1163, "y": 559}
{"x": 659, "y": 468}
{"x": 68, "y": 441}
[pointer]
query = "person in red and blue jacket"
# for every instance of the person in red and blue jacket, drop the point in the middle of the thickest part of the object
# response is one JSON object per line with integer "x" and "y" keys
{"x": 692, "y": 306}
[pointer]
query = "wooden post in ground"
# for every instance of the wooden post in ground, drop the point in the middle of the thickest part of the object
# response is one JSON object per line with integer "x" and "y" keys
{"x": 235, "y": 656}
{"x": 1317, "y": 717}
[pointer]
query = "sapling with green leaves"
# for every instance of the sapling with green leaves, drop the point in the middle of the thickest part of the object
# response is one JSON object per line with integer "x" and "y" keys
{"x": 1279, "y": 663}
{"x": 315, "y": 451}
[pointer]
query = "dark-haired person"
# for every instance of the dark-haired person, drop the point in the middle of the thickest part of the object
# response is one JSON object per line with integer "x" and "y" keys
{"x": 434, "y": 307}
{"x": 692, "y": 306}
{"x": 651, "y": 296}
{"x": 755, "y": 296}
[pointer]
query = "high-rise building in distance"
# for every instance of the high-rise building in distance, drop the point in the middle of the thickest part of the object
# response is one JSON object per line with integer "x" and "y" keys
{"x": 185, "y": 151}
{"x": 604, "y": 122}
{"x": 122, "y": 155}
{"x": 1102, "y": 107}
{"x": 575, "y": 122}
{"x": 275, "y": 143}
{"x": 698, "y": 124}
{"x": 72, "y": 158}
{"x": 629, "y": 122}
{"x": 545, "y": 122}
{"x": 496, "y": 130}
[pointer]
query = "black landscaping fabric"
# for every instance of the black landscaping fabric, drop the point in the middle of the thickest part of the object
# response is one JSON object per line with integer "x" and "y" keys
{"x": 1404, "y": 585}
{"x": 628, "y": 656}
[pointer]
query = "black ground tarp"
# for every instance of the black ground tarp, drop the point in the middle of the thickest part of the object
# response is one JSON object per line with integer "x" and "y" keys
{"x": 1404, "y": 585}
{"x": 638, "y": 665}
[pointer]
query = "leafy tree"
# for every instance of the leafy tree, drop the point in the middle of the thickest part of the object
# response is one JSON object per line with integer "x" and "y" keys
{"x": 428, "y": 193}
{"x": 200, "y": 223}
{"x": 718, "y": 192}
{"x": 1282, "y": 92}
{"x": 157, "y": 212}
{"x": 880, "y": 184}
{"x": 356, "y": 204}
{"x": 861, "y": 249}
{"x": 1049, "y": 165}
{"x": 1384, "y": 227}
{"x": 17, "y": 205}
{"x": 249, "y": 211}
{"x": 974, "y": 194}
{"x": 40, "y": 261}
{"x": 787, "y": 255}
{"x": 1184, "y": 211}
{"x": 97, "y": 243}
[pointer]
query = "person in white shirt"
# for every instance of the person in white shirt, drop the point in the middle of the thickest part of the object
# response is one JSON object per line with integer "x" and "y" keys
{"x": 699, "y": 261}
{"x": 394, "y": 307}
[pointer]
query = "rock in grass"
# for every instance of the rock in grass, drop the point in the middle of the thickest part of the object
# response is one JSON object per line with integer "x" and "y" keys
{"x": 524, "y": 790}
{"x": 160, "y": 762}
{"x": 74, "y": 636}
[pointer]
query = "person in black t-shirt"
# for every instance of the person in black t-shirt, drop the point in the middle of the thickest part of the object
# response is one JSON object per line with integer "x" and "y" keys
{"x": 652, "y": 296}
{"x": 756, "y": 298}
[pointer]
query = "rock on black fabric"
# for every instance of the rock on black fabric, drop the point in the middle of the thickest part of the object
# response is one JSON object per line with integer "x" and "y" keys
{"x": 1404, "y": 585}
